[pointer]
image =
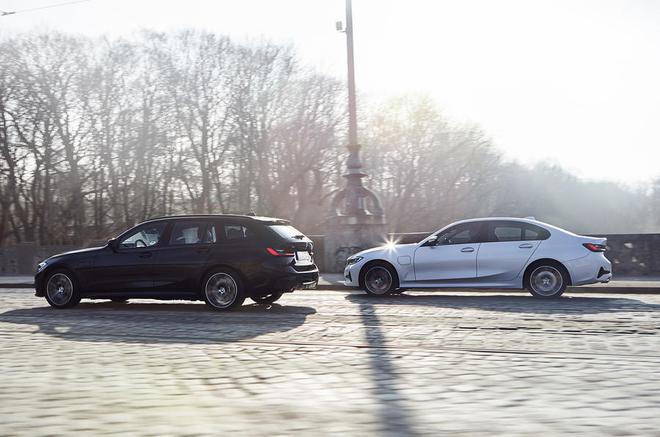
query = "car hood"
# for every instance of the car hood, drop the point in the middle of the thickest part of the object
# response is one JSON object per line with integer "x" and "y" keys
{"x": 87, "y": 251}
{"x": 388, "y": 251}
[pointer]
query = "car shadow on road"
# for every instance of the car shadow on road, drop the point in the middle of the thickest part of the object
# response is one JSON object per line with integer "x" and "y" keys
{"x": 159, "y": 322}
{"x": 509, "y": 303}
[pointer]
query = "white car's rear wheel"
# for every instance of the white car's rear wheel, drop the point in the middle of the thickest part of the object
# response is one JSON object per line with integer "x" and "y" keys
{"x": 379, "y": 280}
{"x": 546, "y": 281}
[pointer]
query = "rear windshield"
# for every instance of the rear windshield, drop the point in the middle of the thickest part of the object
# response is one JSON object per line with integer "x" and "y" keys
{"x": 288, "y": 232}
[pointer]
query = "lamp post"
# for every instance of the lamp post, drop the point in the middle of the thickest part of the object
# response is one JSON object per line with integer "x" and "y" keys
{"x": 356, "y": 217}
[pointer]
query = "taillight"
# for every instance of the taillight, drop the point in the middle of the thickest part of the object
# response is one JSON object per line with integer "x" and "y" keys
{"x": 279, "y": 252}
{"x": 595, "y": 247}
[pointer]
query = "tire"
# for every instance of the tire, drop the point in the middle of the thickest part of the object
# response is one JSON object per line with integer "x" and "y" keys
{"x": 379, "y": 279}
{"x": 62, "y": 290}
{"x": 267, "y": 299}
{"x": 222, "y": 290}
{"x": 547, "y": 280}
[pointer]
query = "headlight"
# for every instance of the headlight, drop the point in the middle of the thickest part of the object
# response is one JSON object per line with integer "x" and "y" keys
{"x": 42, "y": 265}
{"x": 353, "y": 259}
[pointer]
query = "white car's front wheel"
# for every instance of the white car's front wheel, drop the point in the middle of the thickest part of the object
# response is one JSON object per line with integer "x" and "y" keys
{"x": 379, "y": 279}
{"x": 547, "y": 281}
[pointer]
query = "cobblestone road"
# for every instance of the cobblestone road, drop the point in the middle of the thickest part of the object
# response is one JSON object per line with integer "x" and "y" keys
{"x": 329, "y": 362}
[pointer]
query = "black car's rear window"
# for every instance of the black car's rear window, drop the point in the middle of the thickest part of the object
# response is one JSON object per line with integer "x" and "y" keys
{"x": 288, "y": 232}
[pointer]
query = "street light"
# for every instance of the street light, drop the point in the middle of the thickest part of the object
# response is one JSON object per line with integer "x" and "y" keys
{"x": 356, "y": 219}
{"x": 355, "y": 196}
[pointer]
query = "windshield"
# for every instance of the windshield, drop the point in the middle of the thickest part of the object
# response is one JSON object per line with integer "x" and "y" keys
{"x": 288, "y": 232}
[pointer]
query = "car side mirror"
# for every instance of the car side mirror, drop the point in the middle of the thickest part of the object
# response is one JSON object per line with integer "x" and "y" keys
{"x": 432, "y": 241}
{"x": 112, "y": 243}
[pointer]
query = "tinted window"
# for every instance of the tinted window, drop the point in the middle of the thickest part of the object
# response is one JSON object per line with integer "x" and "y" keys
{"x": 210, "y": 235}
{"x": 237, "y": 232}
{"x": 288, "y": 232}
{"x": 460, "y": 234}
{"x": 185, "y": 232}
{"x": 143, "y": 236}
{"x": 533, "y": 232}
{"x": 516, "y": 231}
{"x": 507, "y": 232}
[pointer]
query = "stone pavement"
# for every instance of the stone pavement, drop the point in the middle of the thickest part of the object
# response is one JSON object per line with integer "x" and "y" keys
{"x": 333, "y": 363}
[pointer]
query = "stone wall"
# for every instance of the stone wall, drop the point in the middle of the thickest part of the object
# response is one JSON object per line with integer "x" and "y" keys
{"x": 631, "y": 254}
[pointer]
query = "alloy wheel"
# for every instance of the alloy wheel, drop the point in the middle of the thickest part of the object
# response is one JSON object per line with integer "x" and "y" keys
{"x": 378, "y": 280}
{"x": 59, "y": 289}
{"x": 221, "y": 290}
{"x": 546, "y": 281}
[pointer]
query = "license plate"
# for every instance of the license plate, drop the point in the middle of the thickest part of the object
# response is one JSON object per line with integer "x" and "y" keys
{"x": 304, "y": 256}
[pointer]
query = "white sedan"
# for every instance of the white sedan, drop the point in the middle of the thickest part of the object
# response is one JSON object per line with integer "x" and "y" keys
{"x": 484, "y": 253}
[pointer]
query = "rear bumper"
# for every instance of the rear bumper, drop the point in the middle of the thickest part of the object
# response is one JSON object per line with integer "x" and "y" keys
{"x": 298, "y": 280}
{"x": 590, "y": 269}
{"x": 285, "y": 277}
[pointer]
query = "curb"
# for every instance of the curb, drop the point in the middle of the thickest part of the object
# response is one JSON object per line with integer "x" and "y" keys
{"x": 579, "y": 290}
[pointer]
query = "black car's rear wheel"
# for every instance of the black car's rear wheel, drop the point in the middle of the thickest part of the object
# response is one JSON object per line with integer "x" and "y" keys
{"x": 267, "y": 299}
{"x": 223, "y": 290}
{"x": 61, "y": 290}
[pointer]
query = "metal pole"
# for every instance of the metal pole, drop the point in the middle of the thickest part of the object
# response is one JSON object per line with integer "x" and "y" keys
{"x": 352, "y": 107}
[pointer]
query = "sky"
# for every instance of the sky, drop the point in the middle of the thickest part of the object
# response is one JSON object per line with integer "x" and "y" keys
{"x": 568, "y": 82}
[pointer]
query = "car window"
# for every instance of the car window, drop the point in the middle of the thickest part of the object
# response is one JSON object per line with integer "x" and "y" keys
{"x": 189, "y": 232}
{"x": 144, "y": 236}
{"x": 533, "y": 232}
{"x": 508, "y": 232}
{"x": 237, "y": 232}
{"x": 460, "y": 234}
{"x": 288, "y": 232}
{"x": 209, "y": 234}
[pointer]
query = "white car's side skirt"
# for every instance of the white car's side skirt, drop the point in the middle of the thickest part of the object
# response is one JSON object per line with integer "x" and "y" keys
{"x": 517, "y": 284}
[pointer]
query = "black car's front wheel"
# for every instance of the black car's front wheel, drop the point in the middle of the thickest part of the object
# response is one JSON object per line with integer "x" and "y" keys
{"x": 61, "y": 290}
{"x": 223, "y": 290}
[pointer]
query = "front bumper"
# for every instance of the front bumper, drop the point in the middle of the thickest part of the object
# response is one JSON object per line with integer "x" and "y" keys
{"x": 40, "y": 284}
{"x": 352, "y": 275}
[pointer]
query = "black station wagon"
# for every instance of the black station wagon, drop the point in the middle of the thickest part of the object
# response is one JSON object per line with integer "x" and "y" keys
{"x": 221, "y": 259}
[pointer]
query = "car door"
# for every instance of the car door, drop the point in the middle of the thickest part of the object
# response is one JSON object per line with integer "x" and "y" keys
{"x": 182, "y": 261}
{"x": 453, "y": 256}
{"x": 508, "y": 247}
{"x": 128, "y": 265}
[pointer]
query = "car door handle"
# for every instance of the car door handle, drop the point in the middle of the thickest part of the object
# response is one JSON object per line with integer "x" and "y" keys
{"x": 467, "y": 249}
{"x": 145, "y": 255}
{"x": 203, "y": 250}
{"x": 526, "y": 246}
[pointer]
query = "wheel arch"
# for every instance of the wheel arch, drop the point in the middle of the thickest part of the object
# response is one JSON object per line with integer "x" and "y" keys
{"x": 541, "y": 261}
{"x": 373, "y": 262}
{"x": 61, "y": 268}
